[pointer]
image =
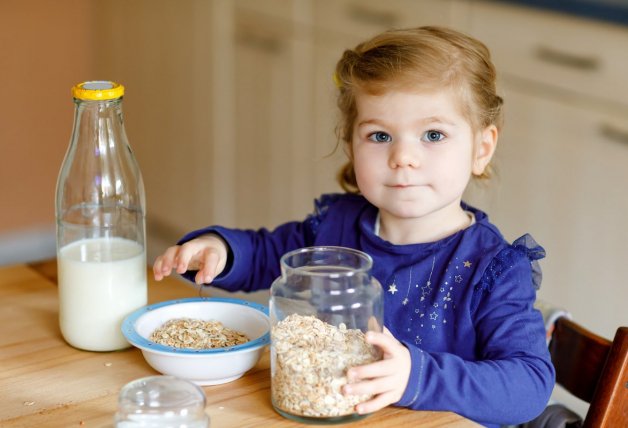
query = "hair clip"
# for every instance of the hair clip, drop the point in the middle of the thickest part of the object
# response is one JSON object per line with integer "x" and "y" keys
{"x": 336, "y": 80}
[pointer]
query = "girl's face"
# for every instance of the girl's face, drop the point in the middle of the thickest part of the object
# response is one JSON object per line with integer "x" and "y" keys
{"x": 413, "y": 155}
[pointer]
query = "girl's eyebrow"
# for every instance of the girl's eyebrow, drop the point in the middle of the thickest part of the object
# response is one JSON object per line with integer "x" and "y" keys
{"x": 437, "y": 119}
{"x": 371, "y": 122}
{"x": 425, "y": 120}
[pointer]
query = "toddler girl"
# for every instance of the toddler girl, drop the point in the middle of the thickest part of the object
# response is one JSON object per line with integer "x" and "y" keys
{"x": 420, "y": 117}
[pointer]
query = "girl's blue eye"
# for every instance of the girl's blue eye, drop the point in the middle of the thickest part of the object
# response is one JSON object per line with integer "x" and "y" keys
{"x": 380, "y": 137}
{"x": 432, "y": 136}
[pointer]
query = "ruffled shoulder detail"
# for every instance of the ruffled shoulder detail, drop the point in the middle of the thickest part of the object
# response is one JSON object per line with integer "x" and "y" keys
{"x": 321, "y": 207}
{"x": 523, "y": 247}
{"x": 534, "y": 252}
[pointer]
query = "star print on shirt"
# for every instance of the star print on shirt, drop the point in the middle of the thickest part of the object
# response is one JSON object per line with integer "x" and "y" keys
{"x": 467, "y": 264}
{"x": 426, "y": 289}
{"x": 392, "y": 289}
{"x": 458, "y": 278}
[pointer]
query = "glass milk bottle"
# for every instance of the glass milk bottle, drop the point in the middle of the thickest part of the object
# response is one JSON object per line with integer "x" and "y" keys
{"x": 320, "y": 307}
{"x": 100, "y": 208}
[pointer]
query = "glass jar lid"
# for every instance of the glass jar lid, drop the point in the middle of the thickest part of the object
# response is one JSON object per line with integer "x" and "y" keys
{"x": 161, "y": 401}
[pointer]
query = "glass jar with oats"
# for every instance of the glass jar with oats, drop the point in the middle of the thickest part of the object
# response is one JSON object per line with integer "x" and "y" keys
{"x": 320, "y": 308}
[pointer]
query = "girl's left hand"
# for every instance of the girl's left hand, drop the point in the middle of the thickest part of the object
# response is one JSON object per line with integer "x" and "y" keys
{"x": 386, "y": 379}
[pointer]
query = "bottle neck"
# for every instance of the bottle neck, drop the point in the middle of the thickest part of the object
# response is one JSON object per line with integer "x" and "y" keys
{"x": 98, "y": 113}
{"x": 99, "y": 122}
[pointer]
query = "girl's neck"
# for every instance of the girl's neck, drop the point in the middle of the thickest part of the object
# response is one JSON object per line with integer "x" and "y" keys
{"x": 421, "y": 230}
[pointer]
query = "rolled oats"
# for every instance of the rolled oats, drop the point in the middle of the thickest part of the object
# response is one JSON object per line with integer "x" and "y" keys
{"x": 311, "y": 359}
{"x": 196, "y": 334}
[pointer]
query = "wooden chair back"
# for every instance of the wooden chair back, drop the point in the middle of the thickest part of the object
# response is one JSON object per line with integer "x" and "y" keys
{"x": 593, "y": 369}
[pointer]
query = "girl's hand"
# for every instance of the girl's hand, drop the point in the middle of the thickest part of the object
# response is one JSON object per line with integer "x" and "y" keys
{"x": 386, "y": 379}
{"x": 207, "y": 254}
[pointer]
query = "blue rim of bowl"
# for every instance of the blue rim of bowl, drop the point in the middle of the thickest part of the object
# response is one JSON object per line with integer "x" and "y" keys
{"x": 135, "y": 339}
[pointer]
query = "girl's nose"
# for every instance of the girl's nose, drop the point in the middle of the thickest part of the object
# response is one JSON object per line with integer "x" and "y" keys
{"x": 403, "y": 154}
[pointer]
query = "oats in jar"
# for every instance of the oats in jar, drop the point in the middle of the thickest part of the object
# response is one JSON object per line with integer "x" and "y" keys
{"x": 196, "y": 334}
{"x": 311, "y": 363}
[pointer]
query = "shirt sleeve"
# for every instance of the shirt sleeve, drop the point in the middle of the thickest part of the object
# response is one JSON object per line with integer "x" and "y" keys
{"x": 254, "y": 255}
{"x": 512, "y": 379}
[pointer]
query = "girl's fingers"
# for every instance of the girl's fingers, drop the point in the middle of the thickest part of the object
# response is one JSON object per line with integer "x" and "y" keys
{"x": 187, "y": 258}
{"x": 169, "y": 259}
{"x": 209, "y": 268}
{"x": 379, "y": 368}
{"x": 164, "y": 264}
{"x": 375, "y": 386}
{"x": 212, "y": 263}
{"x": 378, "y": 402}
{"x": 157, "y": 269}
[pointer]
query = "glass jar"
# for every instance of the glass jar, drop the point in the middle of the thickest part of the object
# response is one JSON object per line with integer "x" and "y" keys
{"x": 320, "y": 307}
{"x": 161, "y": 402}
{"x": 100, "y": 208}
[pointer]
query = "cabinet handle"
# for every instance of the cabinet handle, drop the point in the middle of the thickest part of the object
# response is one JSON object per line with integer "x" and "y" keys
{"x": 264, "y": 44}
{"x": 367, "y": 16}
{"x": 566, "y": 59}
{"x": 614, "y": 133}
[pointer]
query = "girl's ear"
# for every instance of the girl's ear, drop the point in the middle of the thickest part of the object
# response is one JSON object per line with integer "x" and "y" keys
{"x": 485, "y": 149}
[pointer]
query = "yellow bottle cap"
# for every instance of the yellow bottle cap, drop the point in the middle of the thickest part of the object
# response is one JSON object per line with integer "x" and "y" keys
{"x": 98, "y": 90}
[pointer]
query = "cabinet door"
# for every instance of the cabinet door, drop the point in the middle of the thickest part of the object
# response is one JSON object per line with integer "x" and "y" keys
{"x": 263, "y": 85}
{"x": 562, "y": 176}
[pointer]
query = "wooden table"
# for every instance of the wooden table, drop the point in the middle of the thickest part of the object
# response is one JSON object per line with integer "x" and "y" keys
{"x": 46, "y": 383}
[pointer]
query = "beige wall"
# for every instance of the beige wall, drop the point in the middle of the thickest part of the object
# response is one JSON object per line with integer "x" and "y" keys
{"x": 45, "y": 48}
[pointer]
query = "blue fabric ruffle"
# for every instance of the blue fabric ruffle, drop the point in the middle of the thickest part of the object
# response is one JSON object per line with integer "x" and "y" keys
{"x": 321, "y": 206}
{"x": 524, "y": 246}
{"x": 534, "y": 252}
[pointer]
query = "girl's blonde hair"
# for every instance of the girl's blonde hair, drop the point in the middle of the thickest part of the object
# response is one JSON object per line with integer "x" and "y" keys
{"x": 422, "y": 59}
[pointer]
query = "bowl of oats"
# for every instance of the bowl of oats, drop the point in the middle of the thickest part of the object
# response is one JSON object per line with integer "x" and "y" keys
{"x": 206, "y": 340}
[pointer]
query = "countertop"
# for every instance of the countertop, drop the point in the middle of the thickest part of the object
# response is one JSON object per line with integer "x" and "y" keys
{"x": 46, "y": 383}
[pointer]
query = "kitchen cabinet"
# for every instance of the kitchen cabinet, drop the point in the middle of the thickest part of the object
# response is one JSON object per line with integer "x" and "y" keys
{"x": 562, "y": 156}
{"x": 561, "y": 176}
{"x": 264, "y": 58}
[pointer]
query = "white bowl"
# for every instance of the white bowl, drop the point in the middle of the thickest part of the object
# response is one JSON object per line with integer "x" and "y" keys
{"x": 201, "y": 366}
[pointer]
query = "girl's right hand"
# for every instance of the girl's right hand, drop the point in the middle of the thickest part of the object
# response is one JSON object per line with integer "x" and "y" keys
{"x": 207, "y": 254}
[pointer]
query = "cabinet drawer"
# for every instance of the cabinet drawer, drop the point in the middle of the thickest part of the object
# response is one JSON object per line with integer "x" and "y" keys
{"x": 363, "y": 18}
{"x": 588, "y": 57}
{"x": 278, "y": 9}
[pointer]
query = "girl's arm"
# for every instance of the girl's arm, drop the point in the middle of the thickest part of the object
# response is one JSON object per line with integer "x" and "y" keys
{"x": 513, "y": 378}
{"x": 511, "y": 381}
{"x": 253, "y": 255}
{"x": 252, "y": 261}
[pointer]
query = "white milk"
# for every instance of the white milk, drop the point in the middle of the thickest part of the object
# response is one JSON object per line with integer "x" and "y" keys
{"x": 101, "y": 281}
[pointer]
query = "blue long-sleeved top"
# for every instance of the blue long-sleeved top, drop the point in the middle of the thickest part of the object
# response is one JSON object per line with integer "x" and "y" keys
{"x": 463, "y": 305}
